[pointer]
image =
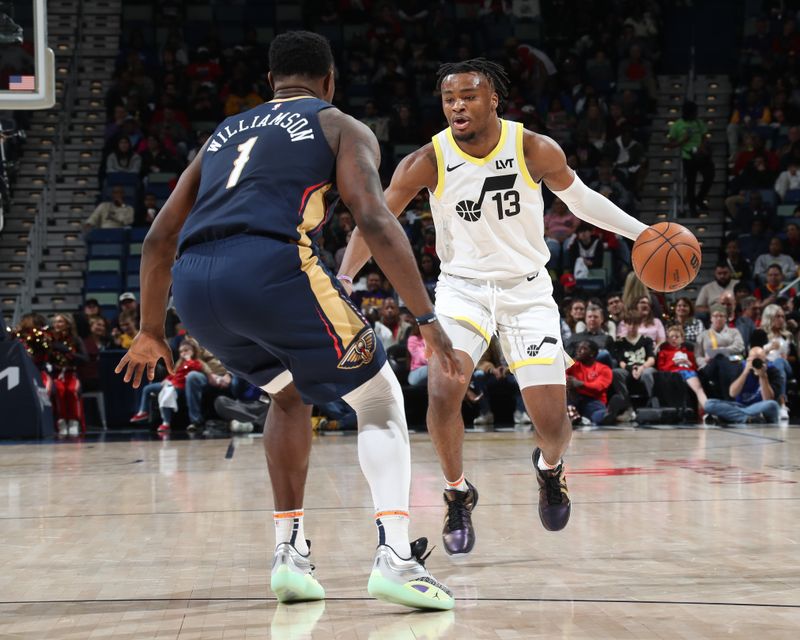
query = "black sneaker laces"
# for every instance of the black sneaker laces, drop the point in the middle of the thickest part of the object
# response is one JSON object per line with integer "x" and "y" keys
{"x": 457, "y": 513}
{"x": 418, "y": 550}
{"x": 552, "y": 487}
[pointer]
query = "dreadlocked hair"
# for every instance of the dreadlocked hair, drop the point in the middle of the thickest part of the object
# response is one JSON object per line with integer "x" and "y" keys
{"x": 492, "y": 71}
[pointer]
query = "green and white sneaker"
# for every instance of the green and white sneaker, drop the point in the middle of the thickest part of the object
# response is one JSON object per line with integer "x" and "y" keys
{"x": 293, "y": 575}
{"x": 406, "y": 581}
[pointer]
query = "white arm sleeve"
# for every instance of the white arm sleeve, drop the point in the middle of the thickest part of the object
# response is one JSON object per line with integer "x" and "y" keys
{"x": 590, "y": 206}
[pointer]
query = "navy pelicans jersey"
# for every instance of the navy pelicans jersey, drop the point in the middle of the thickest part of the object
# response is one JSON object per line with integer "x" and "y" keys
{"x": 268, "y": 171}
{"x": 488, "y": 212}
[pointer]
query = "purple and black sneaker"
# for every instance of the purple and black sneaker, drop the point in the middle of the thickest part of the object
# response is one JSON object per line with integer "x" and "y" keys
{"x": 554, "y": 502}
{"x": 458, "y": 535}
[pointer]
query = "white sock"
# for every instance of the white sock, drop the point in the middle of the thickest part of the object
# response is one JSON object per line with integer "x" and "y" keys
{"x": 393, "y": 531}
{"x": 544, "y": 466}
{"x": 384, "y": 452}
{"x": 289, "y": 528}
{"x": 458, "y": 485}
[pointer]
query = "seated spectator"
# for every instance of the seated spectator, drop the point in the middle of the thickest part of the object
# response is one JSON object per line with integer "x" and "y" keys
{"x": 242, "y": 97}
{"x": 615, "y": 309}
{"x": 575, "y": 315}
{"x": 418, "y": 363}
{"x": 98, "y": 340}
{"x": 585, "y": 252}
{"x": 676, "y": 356}
{"x": 248, "y": 411}
{"x": 491, "y": 373}
{"x": 775, "y": 256}
{"x": 123, "y": 159}
{"x": 647, "y": 324}
{"x": 683, "y": 317}
{"x": 607, "y": 184}
{"x": 157, "y": 159}
{"x": 633, "y": 291}
{"x": 197, "y": 382}
{"x": 780, "y": 349}
{"x": 588, "y": 382}
{"x": 111, "y": 215}
{"x": 710, "y": 292}
{"x": 148, "y": 210}
{"x": 635, "y": 355}
{"x": 594, "y": 332}
{"x": 559, "y": 225}
{"x": 755, "y": 176}
{"x": 429, "y": 268}
{"x": 172, "y": 389}
{"x": 740, "y": 267}
{"x": 746, "y": 320}
{"x": 728, "y": 300}
{"x": 719, "y": 339}
{"x": 390, "y": 329}
{"x": 128, "y": 328}
{"x": 630, "y": 160}
{"x": 91, "y": 308}
{"x": 66, "y": 352}
{"x": 752, "y": 393}
{"x": 370, "y": 300}
{"x": 377, "y": 122}
{"x": 741, "y": 290}
{"x": 789, "y": 180}
{"x": 756, "y": 242}
{"x": 336, "y": 416}
{"x": 792, "y": 242}
{"x": 767, "y": 293}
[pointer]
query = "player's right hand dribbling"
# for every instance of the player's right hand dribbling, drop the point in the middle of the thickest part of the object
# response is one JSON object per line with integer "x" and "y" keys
{"x": 437, "y": 343}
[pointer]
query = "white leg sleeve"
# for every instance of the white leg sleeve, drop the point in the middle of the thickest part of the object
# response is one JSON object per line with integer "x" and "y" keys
{"x": 383, "y": 448}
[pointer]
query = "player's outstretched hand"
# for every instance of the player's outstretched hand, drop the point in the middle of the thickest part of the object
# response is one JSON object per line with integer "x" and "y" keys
{"x": 144, "y": 354}
{"x": 437, "y": 343}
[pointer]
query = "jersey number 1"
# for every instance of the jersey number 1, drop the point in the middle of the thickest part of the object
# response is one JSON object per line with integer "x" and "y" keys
{"x": 244, "y": 150}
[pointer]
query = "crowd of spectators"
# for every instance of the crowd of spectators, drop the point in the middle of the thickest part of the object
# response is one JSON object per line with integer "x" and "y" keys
{"x": 591, "y": 86}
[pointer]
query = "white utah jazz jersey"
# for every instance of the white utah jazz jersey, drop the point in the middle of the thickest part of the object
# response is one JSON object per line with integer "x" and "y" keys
{"x": 488, "y": 211}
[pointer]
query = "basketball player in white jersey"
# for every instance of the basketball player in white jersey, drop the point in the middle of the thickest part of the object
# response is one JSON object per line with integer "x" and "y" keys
{"x": 485, "y": 177}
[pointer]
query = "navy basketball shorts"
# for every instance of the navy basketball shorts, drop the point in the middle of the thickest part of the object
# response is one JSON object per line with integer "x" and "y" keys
{"x": 265, "y": 307}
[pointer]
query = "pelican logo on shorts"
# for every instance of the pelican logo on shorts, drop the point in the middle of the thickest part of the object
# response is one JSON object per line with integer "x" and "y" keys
{"x": 533, "y": 350}
{"x": 360, "y": 352}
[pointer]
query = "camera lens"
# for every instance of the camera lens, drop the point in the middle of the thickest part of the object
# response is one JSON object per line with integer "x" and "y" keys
{"x": 757, "y": 363}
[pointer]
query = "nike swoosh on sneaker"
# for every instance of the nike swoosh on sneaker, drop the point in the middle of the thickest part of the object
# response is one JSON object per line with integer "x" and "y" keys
{"x": 449, "y": 168}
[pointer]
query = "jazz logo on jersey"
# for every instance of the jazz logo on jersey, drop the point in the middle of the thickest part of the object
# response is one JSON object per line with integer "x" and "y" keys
{"x": 360, "y": 352}
{"x": 507, "y": 199}
{"x": 533, "y": 350}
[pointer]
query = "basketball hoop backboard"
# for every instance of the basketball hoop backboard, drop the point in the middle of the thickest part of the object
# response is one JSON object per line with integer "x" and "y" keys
{"x": 27, "y": 65}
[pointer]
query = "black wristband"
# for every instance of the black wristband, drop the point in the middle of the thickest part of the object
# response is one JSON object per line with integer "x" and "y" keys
{"x": 427, "y": 318}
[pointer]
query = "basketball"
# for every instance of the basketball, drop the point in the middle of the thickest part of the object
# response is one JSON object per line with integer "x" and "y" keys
{"x": 666, "y": 256}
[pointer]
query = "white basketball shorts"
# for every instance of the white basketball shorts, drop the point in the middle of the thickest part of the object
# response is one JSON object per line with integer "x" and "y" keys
{"x": 521, "y": 312}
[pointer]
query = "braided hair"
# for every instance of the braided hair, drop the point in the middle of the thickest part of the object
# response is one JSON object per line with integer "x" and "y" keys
{"x": 492, "y": 71}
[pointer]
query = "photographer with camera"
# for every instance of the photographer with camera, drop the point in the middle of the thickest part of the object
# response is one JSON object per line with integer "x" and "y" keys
{"x": 752, "y": 393}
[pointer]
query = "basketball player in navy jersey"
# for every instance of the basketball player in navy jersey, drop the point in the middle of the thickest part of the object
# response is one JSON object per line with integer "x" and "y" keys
{"x": 484, "y": 175}
{"x": 249, "y": 286}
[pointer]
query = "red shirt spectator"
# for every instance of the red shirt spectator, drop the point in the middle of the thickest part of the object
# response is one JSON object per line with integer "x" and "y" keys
{"x": 676, "y": 359}
{"x": 596, "y": 379}
{"x": 182, "y": 370}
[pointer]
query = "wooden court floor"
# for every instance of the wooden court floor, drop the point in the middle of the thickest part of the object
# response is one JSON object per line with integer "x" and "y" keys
{"x": 675, "y": 533}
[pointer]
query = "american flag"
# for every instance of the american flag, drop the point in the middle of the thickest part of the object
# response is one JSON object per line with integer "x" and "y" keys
{"x": 22, "y": 83}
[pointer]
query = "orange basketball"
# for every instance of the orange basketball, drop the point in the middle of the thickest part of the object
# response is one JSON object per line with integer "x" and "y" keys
{"x": 666, "y": 256}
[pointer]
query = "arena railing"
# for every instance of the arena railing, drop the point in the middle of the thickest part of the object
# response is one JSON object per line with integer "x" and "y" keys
{"x": 37, "y": 236}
